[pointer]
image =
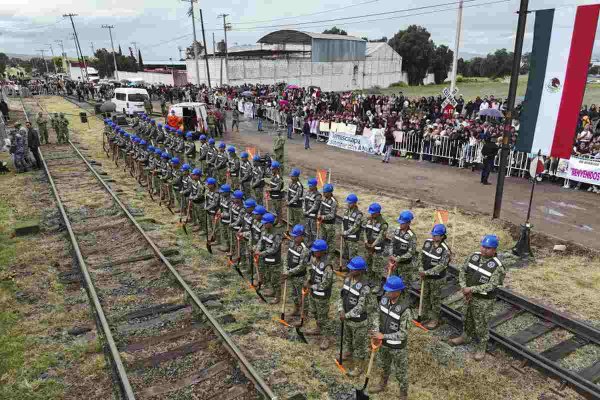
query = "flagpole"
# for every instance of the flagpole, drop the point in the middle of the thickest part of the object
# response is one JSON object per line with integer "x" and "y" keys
{"x": 512, "y": 94}
{"x": 523, "y": 246}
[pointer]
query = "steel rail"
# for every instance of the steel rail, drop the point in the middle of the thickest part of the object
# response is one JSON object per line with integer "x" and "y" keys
{"x": 126, "y": 388}
{"x": 232, "y": 348}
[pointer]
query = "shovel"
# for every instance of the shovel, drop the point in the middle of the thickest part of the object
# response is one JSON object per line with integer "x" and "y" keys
{"x": 360, "y": 393}
{"x": 417, "y": 321}
{"x": 208, "y": 246}
{"x": 187, "y": 216}
{"x": 150, "y": 186}
{"x": 211, "y": 237}
{"x": 339, "y": 362}
{"x": 298, "y": 326}
{"x": 281, "y": 319}
{"x": 257, "y": 288}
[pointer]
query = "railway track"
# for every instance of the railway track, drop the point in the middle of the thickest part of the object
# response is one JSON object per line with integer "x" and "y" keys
{"x": 160, "y": 338}
{"x": 564, "y": 334}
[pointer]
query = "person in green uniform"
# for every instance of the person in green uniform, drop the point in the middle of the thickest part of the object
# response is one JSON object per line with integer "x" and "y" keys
{"x": 375, "y": 230}
{"x": 279, "y": 150}
{"x": 295, "y": 192}
{"x": 404, "y": 249}
{"x": 326, "y": 217}
{"x": 294, "y": 266}
{"x": 275, "y": 191}
{"x": 268, "y": 249}
{"x": 351, "y": 228}
{"x": 42, "y": 124}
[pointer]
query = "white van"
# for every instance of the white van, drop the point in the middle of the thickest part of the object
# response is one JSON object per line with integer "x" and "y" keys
{"x": 193, "y": 115}
{"x": 130, "y": 100}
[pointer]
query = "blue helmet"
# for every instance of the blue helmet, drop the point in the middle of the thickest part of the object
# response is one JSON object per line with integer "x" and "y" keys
{"x": 328, "y": 188}
{"x": 268, "y": 218}
{"x": 127, "y": 135}
{"x": 319, "y": 245}
{"x": 160, "y": 125}
{"x": 211, "y": 141}
{"x": 298, "y": 230}
{"x": 394, "y": 284}
{"x": 374, "y": 208}
{"x": 158, "y": 151}
{"x": 136, "y": 139}
{"x": 143, "y": 142}
{"x": 189, "y": 135}
{"x": 256, "y": 158}
{"x": 222, "y": 145}
{"x": 405, "y": 217}
{"x": 165, "y": 155}
{"x": 151, "y": 148}
{"x": 243, "y": 154}
{"x": 211, "y": 181}
{"x": 196, "y": 171}
{"x": 249, "y": 203}
{"x": 438, "y": 230}
{"x": 259, "y": 210}
{"x": 225, "y": 188}
{"x": 174, "y": 160}
{"x": 275, "y": 164}
{"x": 185, "y": 167}
{"x": 357, "y": 264}
{"x": 179, "y": 132}
{"x": 202, "y": 137}
{"x": 152, "y": 121}
{"x": 238, "y": 194}
{"x": 231, "y": 149}
{"x": 312, "y": 182}
{"x": 295, "y": 172}
{"x": 490, "y": 241}
{"x": 352, "y": 198}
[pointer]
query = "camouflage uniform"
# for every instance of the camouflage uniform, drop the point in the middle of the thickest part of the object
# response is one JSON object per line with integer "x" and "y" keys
{"x": 202, "y": 156}
{"x": 197, "y": 197}
{"x": 189, "y": 151}
{"x": 354, "y": 303}
{"x": 483, "y": 275}
{"x": 63, "y": 127}
{"x": 237, "y": 221}
{"x": 294, "y": 266}
{"x": 375, "y": 230}
{"x": 220, "y": 166}
{"x": 54, "y": 125}
{"x": 258, "y": 183}
{"x": 434, "y": 262}
{"x": 320, "y": 281}
{"x": 246, "y": 242}
{"x": 42, "y": 124}
{"x": 351, "y": 231}
{"x": 211, "y": 206}
{"x": 279, "y": 150}
{"x": 233, "y": 169}
{"x": 276, "y": 196}
{"x": 404, "y": 252}
{"x": 295, "y": 192}
{"x": 225, "y": 208}
{"x": 269, "y": 248}
{"x": 312, "y": 203}
{"x": 246, "y": 177}
{"x": 327, "y": 213}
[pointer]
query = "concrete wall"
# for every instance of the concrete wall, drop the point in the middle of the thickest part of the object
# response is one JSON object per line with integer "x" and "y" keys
{"x": 148, "y": 77}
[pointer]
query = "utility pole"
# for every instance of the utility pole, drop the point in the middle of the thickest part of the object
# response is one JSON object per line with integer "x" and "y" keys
{"x": 52, "y": 52}
{"x": 180, "y": 49}
{"x": 512, "y": 94}
{"x": 226, "y": 26}
{"x": 456, "y": 46}
{"x": 195, "y": 44}
{"x": 78, "y": 57}
{"x": 92, "y": 47}
{"x": 112, "y": 45}
{"x": 136, "y": 49}
{"x": 205, "y": 49}
{"x": 78, "y": 46}
{"x": 44, "y": 58}
{"x": 63, "y": 55}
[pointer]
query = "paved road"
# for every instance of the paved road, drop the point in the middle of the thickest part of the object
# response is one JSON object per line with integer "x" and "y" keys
{"x": 563, "y": 213}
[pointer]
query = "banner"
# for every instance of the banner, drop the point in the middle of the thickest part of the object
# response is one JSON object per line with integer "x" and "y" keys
{"x": 351, "y": 142}
{"x": 248, "y": 110}
{"x": 324, "y": 126}
{"x": 584, "y": 170}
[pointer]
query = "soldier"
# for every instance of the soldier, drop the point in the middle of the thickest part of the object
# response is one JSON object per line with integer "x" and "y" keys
{"x": 353, "y": 307}
{"x": 211, "y": 155}
{"x": 404, "y": 249}
{"x": 197, "y": 199}
{"x": 42, "y": 124}
{"x": 17, "y": 148}
{"x": 479, "y": 277}
{"x": 161, "y": 165}
{"x": 221, "y": 163}
{"x": 54, "y": 125}
{"x": 211, "y": 206}
{"x": 258, "y": 179}
{"x": 148, "y": 106}
{"x": 160, "y": 135}
{"x": 390, "y": 329}
{"x": 189, "y": 150}
{"x": 295, "y": 192}
{"x": 351, "y": 227}
{"x": 294, "y": 267}
{"x": 203, "y": 152}
{"x": 245, "y": 174}
{"x": 326, "y": 217}
{"x": 279, "y": 149}
{"x": 179, "y": 144}
{"x": 268, "y": 249}
{"x": 211, "y": 121}
{"x": 275, "y": 191}
{"x": 174, "y": 181}
{"x": 235, "y": 119}
{"x": 435, "y": 257}
{"x": 320, "y": 281}
{"x": 237, "y": 221}
{"x": 163, "y": 107}
{"x": 64, "y": 128}
{"x": 233, "y": 168}
{"x": 375, "y": 230}
{"x": 245, "y": 234}
{"x": 225, "y": 210}
{"x": 312, "y": 203}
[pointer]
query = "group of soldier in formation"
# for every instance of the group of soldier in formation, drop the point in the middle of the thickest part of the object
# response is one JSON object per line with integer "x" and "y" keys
{"x": 58, "y": 122}
{"x": 239, "y": 203}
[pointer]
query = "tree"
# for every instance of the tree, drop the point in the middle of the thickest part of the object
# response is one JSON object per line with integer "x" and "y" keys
{"x": 58, "y": 64}
{"x": 140, "y": 61}
{"x": 103, "y": 62}
{"x": 594, "y": 70}
{"x": 335, "y": 31}
{"x": 120, "y": 52}
{"x": 440, "y": 62}
{"x": 416, "y": 49}
{"x": 3, "y": 63}
{"x": 189, "y": 51}
{"x": 525, "y": 63}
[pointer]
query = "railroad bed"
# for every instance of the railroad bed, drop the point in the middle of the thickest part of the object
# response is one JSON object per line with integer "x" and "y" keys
{"x": 160, "y": 338}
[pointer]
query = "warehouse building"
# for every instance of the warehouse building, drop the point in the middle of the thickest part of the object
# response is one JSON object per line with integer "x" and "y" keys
{"x": 332, "y": 62}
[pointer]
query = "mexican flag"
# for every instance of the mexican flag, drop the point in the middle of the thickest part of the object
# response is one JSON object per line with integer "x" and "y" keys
{"x": 562, "y": 48}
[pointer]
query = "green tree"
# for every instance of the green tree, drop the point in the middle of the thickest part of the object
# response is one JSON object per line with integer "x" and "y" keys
{"x": 335, "y": 31}
{"x": 58, "y": 64}
{"x": 3, "y": 63}
{"x": 416, "y": 49}
{"x": 140, "y": 61}
{"x": 441, "y": 62}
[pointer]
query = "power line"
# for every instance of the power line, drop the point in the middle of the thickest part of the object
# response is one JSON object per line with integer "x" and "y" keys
{"x": 33, "y": 28}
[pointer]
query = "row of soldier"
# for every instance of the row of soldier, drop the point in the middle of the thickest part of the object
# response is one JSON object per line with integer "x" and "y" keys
{"x": 378, "y": 270}
{"x": 58, "y": 122}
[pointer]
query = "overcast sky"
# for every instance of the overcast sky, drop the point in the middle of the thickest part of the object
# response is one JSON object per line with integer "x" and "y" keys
{"x": 160, "y": 26}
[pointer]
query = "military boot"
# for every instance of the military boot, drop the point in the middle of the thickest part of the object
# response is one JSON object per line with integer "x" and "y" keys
{"x": 433, "y": 324}
{"x": 313, "y": 332}
{"x": 380, "y": 386}
{"x": 479, "y": 356}
{"x": 324, "y": 344}
{"x": 457, "y": 341}
{"x": 358, "y": 368}
{"x": 274, "y": 300}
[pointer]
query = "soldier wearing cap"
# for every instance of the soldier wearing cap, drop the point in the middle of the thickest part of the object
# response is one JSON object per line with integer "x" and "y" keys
{"x": 233, "y": 168}
{"x": 294, "y": 266}
{"x": 268, "y": 249}
{"x": 237, "y": 221}
{"x": 390, "y": 326}
{"x": 212, "y": 204}
{"x": 351, "y": 227}
{"x": 196, "y": 196}
{"x": 326, "y": 217}
{"x": 258, "y": 179}
{"x": 245, "y": 233}
{"x": 275, "y": 191}
{"x": 295, "y": 192}
{"x": 404, "y": 249}
{"x": 225, "y": 210}
{"x": 245, "y": 174}
{"x": 221, "y": 163}
{"x": 312, "y": 203}
{"x": 479, "y": 277}
{"x": 211, "y": 156}
{"x": 203, "y": 152}
{"x": 375, "y": 228}
{"x": 189, "y": 150}
{"x": 435, "y": 257}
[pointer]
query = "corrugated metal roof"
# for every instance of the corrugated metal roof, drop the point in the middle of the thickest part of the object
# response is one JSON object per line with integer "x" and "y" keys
{"x": 373, "y": 47}
{"x": 301, "y": 37}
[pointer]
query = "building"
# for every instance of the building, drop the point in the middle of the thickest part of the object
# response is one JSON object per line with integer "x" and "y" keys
{"x": 332, "y": 62}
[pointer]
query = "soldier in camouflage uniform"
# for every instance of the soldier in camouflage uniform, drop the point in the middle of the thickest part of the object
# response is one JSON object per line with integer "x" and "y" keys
{"x": 279, "y": 150}
{"x": 189, "y": 148}
{"x": 479, "y": 277}
{"x": 233, "y": 168}
{"x": 203, "y": 153}
{"x": 196, "y": 196}
{"x": 404, "y": 259}
{"x": 390, "y": 330}
{"x": 42, "y": 124}
{"x": 63, "y": 126}
{"x": 225, "y": 210}
{"x": 221, "y": 164}
{"x": 353, "y": 307}
{"x": 327, "y": 213}
{"x": 211, "y": 155}
{"x": 294, "y": 266}
{"x": 375, "y": 230}
{"x": 351, "y": 228}
{"x": 258, "y": 179}
{"x": 311, "y": 205}
{"x": 175, "y": 181}
{"x": 245, "y": 234}
{"x": 54, "y": 125}
{"x": 275, "y": 191}
{"x": 268, "y": 249}
{"x": 320, "y": 281}
{"x": 237, "y": 221}
{"x": 211, "y": 206}
{"x": 256, "y": 227}
{"x": 295, "y": 192}
{"x": 245, "y": 174}
{"x": 435, "y": 257}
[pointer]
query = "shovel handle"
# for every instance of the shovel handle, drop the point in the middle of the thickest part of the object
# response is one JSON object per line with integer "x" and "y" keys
{"x": 421, "y": 295}
{"x": 374, "y": 347}
{"x": 283, "y": 298}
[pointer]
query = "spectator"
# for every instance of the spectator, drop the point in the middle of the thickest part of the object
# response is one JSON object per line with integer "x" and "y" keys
{"x": 33, "y": 141}
{"x": 306, "y": 133}
{"x": 4, "y": 110}
{"x": 389, "y": 146}
{"x": 489, "y": 151}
